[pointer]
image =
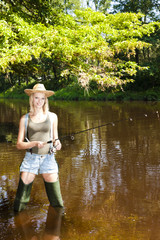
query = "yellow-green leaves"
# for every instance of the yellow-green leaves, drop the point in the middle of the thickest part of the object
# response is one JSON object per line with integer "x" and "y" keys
{"x": 88, "y": 45}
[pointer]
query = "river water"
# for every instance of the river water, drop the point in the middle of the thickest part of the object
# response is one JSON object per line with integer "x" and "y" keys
{"x": 109, "y": 175}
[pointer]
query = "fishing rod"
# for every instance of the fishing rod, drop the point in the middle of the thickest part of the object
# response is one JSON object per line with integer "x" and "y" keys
{"x": 99, "y": 126}
{"x": 85, "y": 130}
{"x": 92, "y": 128}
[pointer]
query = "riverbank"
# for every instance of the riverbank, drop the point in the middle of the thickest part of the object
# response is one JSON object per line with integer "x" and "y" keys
{"x": 76, "y": 93}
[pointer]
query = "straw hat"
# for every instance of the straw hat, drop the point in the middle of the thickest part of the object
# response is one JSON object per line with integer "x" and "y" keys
{"x": 39, "y": 88}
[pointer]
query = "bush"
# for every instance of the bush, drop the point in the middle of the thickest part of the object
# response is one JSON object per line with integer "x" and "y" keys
{"x": 151, "y": 96}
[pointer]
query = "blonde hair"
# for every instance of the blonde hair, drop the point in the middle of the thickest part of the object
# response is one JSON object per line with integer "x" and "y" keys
{"x": 45, "y": 106}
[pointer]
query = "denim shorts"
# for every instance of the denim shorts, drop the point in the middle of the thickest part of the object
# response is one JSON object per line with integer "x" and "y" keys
{"x": 35, "y": 163}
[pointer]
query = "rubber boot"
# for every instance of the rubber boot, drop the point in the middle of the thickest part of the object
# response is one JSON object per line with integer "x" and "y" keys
{"x": 54, "y": 193}
{"x": 22, "y": 196}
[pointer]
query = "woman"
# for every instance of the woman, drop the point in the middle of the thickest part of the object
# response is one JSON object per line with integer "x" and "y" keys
{"x": 38, "y": 127}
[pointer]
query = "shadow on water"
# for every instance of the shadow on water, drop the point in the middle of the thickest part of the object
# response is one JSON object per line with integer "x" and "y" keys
{"x": 110, "y": 176}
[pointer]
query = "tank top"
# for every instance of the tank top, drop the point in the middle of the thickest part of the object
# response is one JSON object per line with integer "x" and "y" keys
{"x": 39, "y": 132}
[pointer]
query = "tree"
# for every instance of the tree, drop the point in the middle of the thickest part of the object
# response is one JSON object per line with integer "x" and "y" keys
{"x": 99, "y": 5}
{"x": 44, "y": 11}
{"x": 150, "y": 8}
{"x": 89, "y": 46}
{"x": 148, "y": 57}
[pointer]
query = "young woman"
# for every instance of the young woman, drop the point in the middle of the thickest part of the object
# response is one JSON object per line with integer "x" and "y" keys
{"x": 35, "y": 130}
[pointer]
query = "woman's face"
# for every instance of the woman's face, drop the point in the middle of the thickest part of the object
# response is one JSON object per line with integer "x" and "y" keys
{"x": 38, "y": 100}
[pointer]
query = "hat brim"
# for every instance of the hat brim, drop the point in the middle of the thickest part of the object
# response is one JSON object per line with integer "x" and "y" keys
{"x": 29, "y": 92}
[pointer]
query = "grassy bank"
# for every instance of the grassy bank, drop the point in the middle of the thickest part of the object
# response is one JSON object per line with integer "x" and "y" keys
{"x": 76, "y": 93}
{"x": 79, "y": 94}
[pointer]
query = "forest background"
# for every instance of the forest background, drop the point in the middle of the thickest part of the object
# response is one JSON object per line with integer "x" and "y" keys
{"x": 96, "y": 50}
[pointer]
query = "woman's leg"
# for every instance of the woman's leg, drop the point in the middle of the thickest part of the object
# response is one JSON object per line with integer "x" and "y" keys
{"x": 50, "y": 177}
{"x": 27, "y": 177}
{"x": 23, "y": 191}
{"x": 53, "y": 191}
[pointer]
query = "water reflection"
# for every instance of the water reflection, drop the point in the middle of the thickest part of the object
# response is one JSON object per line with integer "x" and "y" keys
{"x": 110, "y": 176}
{"x": 26, "y": 228}
{"x": 53, "y": 224}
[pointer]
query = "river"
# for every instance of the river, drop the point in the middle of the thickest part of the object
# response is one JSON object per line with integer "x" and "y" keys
{"x": 109, "y": 174}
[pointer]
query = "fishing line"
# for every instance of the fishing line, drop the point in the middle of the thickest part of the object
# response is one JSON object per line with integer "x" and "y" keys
{"x": 88, "y": 129}
{"x": 92, "y": 128}
{"x": 71, "y": 136}
{"x": 99, "y": 126}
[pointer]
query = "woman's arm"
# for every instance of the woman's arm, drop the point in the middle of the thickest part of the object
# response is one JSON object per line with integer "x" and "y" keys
{"x": 21, "y": 134}
{"x": 56, "y": 140}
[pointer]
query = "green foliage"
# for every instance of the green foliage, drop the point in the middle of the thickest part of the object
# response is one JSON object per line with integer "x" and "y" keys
{"x": 38, "y": 11}
{"x": 74, "y": 92}
{"x": 148, "y": 56}
{"x": 101, "y": 5}
{"x": 45, "y": 12}
{"x": 151, "y": 96}
{"x": 89, "y": 46}
{"x": 150, "y": 8}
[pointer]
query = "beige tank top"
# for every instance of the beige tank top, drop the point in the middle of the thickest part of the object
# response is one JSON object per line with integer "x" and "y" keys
{"x": 39, "y": 132}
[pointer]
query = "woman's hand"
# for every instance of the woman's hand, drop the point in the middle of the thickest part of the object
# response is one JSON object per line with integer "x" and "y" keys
{"x": 57, "y": 144}
{"x": 39, "y": 144}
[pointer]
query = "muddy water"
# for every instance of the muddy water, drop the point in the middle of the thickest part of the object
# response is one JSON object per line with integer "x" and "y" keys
{"x": 110, "y": 176}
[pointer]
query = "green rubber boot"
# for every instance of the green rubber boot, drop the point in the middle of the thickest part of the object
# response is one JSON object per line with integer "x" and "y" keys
{"x": 22, "y": 196}
{"x": 54, "y": 193}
